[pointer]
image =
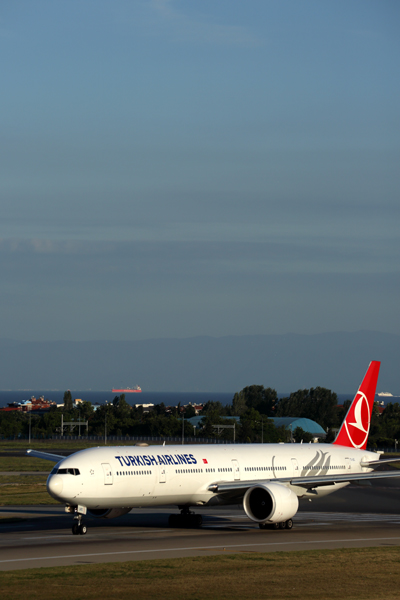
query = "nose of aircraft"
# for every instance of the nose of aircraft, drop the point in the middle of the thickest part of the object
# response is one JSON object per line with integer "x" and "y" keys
{"x": 55, "y": 486}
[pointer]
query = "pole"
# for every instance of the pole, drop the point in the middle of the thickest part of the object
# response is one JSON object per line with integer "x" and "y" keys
{"x": 262, "y": 430}
{"x": 183, "y": 428}
{"x": 79, "y": 426}
{"x": 30, "y": 415}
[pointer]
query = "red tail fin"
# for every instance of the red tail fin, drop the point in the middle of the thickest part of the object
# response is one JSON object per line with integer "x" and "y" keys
{"x": 355, "y": 427}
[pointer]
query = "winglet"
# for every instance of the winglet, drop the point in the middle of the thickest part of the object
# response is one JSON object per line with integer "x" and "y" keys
{"x": 355, "y": 427}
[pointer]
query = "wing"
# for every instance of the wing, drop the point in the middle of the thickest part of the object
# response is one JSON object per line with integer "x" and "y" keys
{"x": 306, "y": 482}
{"x": 46, "y": 455}
{"x": 311, "y": 482}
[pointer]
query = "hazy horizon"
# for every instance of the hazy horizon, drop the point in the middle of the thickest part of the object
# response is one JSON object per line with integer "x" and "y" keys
{"x": 335, "y": 360}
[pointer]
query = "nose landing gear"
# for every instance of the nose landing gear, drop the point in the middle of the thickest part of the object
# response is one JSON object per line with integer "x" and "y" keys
{"x": 79, "y": 528}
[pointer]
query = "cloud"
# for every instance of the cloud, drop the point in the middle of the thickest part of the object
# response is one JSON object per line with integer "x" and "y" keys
{"x": 86, "y": 262}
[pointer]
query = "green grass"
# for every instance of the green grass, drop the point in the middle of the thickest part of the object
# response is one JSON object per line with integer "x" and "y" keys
{"x": 22, "y": 445}
{"x": 365, "y": 574}
{"x": 24, "y": 490}
{"x": 24, "y": 463}
{"x": 28, "y": 479}
{"x": 73, "y": 445}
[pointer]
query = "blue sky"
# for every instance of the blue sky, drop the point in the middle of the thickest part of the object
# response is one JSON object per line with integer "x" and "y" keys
{"x": 179, "y": 168}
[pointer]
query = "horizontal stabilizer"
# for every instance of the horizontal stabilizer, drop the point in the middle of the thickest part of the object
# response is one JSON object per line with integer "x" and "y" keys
{"x": 373, "y": 463}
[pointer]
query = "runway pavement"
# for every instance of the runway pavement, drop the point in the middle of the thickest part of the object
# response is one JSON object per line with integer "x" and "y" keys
{"x": 353, "y": 517}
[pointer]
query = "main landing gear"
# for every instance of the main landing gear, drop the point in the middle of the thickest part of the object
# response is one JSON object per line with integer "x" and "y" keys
{"x": 283, "y": 525}
{"x": 79, "y": 528}
{"x": 186, "y": 520}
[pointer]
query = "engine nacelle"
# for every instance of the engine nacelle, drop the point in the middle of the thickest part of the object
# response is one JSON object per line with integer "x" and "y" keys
{"x": 271, "y": 502}
{"x": 108, "y": 513}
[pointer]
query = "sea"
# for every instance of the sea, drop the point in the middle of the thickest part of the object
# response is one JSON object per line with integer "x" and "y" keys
{"x": 168, "y": 398}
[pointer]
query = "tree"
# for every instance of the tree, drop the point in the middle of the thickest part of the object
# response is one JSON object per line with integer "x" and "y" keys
{"x": 302, "y": 436}
{"x": 86, "y": 410}
{"x": 250, "y": 426}
{"x": 318, "y": 404}
{"x": 213, "y": 408}
{"x": 390, "y": 421}
{"x": 68, "y": 404}
{"x": 12, "y": 423}
{"x": 255, "y": 396}
{"x": 189, "y": 411}
{"x": 238, "y": 404}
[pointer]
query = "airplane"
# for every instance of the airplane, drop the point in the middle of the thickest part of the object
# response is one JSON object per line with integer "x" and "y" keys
{"x": 268, "y": 479}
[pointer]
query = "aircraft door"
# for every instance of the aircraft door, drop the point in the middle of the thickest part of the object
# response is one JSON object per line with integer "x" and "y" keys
{"x": 236, "y": 470}
{"x": 295, "y": 467}
{"x": 108, "y": 475}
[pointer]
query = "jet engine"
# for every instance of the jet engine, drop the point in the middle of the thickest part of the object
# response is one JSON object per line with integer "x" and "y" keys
{"x": 108, "y": 513}
{"x": 271, "y": 502}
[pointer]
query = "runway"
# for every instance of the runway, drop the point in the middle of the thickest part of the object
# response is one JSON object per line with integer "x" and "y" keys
{"x": 353, "y": 517}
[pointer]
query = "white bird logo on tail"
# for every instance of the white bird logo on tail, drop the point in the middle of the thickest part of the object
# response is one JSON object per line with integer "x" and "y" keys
{"x": 357, "y": 415}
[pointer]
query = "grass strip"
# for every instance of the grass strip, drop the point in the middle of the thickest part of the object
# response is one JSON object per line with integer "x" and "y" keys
{"x": 366, "y": 574}
{"x": 73, "y": 445}
{"x": 10, "y": 479}
{"x": 24, "y": 463}
{"x": 24, "y": 490}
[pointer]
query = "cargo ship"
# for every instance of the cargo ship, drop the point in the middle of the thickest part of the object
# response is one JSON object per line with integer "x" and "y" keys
{"x": 128, "y": 390}
{"x": 39, "y": 404}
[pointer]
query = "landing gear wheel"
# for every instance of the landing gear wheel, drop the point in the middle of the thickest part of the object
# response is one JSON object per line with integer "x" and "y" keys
{"x": 289, "y": 524}
{"x": 262, "y": 525}
{"x": 282, "y": 525}
{"x": 79, "y": 528}
{"x": 275, "y": 526}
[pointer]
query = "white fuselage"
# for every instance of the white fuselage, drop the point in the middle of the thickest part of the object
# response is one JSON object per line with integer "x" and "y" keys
{"x": 131, "y": 476}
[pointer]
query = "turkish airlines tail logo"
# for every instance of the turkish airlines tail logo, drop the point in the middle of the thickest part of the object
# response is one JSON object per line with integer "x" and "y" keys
{"x": 355, "y": 428}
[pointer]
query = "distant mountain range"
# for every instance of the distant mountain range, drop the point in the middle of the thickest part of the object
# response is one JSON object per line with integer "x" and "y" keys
{"x": 287, "y": 363}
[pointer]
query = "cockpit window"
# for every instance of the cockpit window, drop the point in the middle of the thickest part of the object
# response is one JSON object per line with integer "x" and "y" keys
{"x": 65, "y": 471}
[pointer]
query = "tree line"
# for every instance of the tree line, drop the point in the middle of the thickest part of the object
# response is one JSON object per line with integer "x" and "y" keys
{"x": 254, "y": 405}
